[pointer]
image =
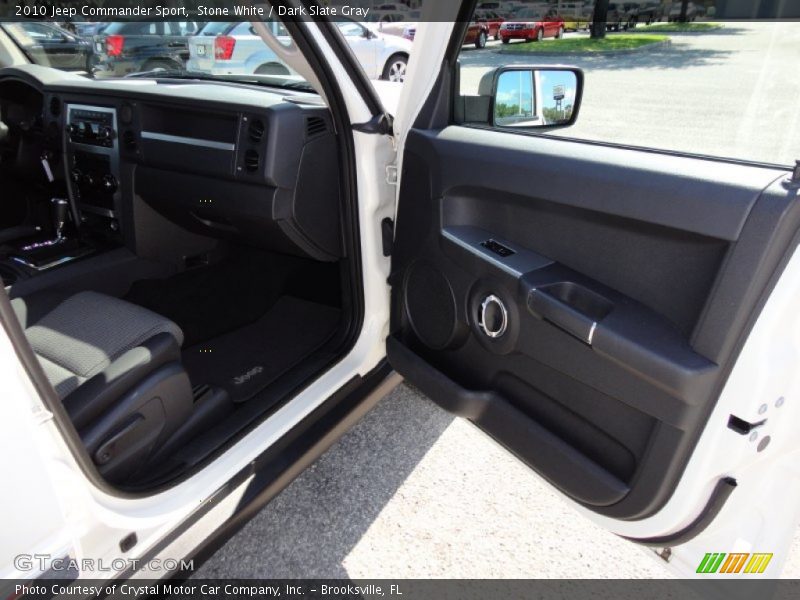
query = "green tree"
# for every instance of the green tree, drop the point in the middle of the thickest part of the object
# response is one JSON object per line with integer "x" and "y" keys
{"x": 507, "y": 110}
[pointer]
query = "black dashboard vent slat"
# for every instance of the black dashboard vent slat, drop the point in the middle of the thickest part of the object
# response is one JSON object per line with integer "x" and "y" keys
{"x": 315, "y": 126}
{"x": 251, "y": 161}
{"x": 255, "y": 132}
{"x": 55, "y": 106}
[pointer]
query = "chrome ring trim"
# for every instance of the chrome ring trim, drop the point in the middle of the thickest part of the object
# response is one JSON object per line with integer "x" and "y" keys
{"x": 494, "y": 334}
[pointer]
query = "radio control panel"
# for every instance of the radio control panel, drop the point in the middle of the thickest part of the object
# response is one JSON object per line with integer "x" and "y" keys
{"x": 92, "y": 154}
{"x": 92, "y": 126}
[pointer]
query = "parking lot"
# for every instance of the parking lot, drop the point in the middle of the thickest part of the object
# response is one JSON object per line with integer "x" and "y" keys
{"x": 412, "y": 492}
{"x": 726, "y": 93}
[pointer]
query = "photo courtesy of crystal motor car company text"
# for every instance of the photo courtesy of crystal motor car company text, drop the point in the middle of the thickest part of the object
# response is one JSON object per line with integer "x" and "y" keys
{"x": 303, "y": 293}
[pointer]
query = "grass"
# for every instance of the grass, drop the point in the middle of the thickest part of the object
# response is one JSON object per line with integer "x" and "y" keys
{"x": 622, "y": 41}
{"x": 678, "y": 27}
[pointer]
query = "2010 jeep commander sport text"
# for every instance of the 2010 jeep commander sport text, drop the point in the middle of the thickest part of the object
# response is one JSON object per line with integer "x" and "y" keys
{"x": 209, "y": 278}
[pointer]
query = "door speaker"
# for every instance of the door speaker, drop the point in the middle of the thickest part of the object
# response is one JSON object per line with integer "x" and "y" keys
{"x": 430, "y": 306}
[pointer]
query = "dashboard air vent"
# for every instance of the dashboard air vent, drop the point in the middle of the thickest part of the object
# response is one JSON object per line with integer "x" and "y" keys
{"x": 256, "y": 130}
{"x": 55, "y": 106}
{"x": 315, "y": 126}
{"x": 251, "y": 160}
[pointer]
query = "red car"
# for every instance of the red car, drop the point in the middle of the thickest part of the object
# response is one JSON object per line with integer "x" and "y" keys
{"x": 492, "y": 20}
{"x": 532, "y": 25}
{"x": 478, "y": 34}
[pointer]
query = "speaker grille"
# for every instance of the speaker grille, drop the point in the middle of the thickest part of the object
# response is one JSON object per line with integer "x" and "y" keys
{"x": 315, "y": 126}
{"x": 430, "y": 306}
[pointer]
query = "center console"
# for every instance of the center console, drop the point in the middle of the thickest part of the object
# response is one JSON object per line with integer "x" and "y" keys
{"x": 92, "y": 160}
{"x": 92, "y": 167}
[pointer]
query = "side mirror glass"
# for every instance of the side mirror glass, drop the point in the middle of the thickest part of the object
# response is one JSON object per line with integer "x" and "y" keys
{"x": 536, "y": 97}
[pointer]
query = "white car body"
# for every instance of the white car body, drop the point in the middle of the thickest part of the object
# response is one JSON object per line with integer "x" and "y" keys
{"x": 62, "y": 512}
{"x": 251, "y": 56}
{"x": 249, "y": 52}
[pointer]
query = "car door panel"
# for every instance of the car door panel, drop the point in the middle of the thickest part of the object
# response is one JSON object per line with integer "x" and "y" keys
{"x": 633, "y": 279}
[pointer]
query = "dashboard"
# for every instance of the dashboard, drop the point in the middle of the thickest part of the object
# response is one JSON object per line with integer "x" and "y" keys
{"x": 224, "y": 160}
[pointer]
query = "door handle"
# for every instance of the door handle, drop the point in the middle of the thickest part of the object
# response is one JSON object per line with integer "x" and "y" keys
{"x": 561, "y": 314}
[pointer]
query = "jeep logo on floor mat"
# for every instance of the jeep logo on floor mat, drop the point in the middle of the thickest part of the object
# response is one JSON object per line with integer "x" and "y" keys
{"x": 244, "y": 378}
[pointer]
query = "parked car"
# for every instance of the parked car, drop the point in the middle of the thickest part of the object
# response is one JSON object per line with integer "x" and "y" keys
{"x": 675, "y": 12}
{"x": 88, "y": 29}
{"x": 382, "y": 56}
{"x": 492, "y": 19}
{"x": 51, "y": 45}
{"x": 228, "y": 48}
{"x": 232, "y": 48}
{"x": 532, "y": 25}
{"x": 632, "y": 13}
{"x": 84, "y": 29}
{"x": 577, "y": 15}
{"x": 407, "y": 31}
{"x": 619, "y": 17}
{"x": 478, "y": 34}
{"x": 650, "y": 12}
{"x": 395, "y": 23}
{"x": 389, "y": 21}
{"x": 396, "y": 7}
{"x": 135, "y": 46}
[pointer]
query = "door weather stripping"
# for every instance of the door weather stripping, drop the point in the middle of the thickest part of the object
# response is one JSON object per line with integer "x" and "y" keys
{"x": 719, "y": 497}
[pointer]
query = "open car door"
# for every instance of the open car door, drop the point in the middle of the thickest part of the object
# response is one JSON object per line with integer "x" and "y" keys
{"x": 624, "y": 321}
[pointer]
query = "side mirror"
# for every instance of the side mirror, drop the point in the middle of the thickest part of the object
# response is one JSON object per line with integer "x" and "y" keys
{"x": 535, "y": 97}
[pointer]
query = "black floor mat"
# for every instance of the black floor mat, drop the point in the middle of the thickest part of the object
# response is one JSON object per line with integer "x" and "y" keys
{"x": 248, "y": 359}
{"x": 209, "y": 301}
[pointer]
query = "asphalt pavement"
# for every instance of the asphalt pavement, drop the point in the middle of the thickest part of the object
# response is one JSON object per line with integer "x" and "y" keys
{"x": 413, "y": 492}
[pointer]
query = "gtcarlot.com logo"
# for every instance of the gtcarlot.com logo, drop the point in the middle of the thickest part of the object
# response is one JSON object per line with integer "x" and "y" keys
{"x": 734, "y": 562}
{"x": 46, "y": 562}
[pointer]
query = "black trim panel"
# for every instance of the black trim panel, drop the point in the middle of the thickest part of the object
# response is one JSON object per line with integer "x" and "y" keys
{"x": 727, "y": 192}
{"x": 629, "y": 281}
{"x": 577, "y": 474}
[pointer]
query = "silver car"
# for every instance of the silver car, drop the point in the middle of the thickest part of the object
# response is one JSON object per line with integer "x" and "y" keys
{"x": 224, "y": 48}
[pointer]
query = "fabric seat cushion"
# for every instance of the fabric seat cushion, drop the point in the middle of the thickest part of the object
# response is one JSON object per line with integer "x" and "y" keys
{"x": 84, "y": 333}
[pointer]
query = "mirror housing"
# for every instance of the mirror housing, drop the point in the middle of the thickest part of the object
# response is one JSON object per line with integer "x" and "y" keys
{"x": 534, "y": 97}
